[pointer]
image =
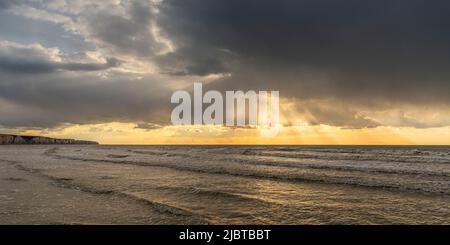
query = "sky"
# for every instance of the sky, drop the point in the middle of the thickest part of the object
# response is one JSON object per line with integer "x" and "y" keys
{"x": 348, "y": 72}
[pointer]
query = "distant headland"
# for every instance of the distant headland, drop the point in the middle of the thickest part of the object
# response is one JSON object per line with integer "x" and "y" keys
{"x": 9, "y": 139}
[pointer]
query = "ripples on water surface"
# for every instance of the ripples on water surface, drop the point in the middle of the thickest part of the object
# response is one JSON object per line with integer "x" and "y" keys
{"x": 225, "y": 184}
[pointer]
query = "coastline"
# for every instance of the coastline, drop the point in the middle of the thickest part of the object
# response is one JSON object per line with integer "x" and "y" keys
{"x": 11, "y": 139}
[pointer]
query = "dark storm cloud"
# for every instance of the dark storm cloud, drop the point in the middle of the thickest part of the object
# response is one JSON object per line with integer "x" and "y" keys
{"x": 193, "y": 61}
{"x": 393, "y": 50}
{"x": 8, "y": 3}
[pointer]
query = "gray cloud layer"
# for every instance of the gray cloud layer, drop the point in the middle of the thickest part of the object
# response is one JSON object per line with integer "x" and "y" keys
{"x": 8, "y": 3}
{"x": 367, "y": 56}
{"x": 10, "y": 64}
{"x": 59, "y": 98}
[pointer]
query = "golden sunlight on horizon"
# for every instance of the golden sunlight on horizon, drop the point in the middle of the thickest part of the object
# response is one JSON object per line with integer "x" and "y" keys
{"x": 129, "y": 134}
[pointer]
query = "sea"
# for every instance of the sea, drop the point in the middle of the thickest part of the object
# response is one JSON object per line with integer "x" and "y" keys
{"x": 109, "y": 184}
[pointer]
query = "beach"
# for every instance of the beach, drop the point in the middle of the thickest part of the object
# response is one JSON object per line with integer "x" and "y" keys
{"x": 105, "y": 184}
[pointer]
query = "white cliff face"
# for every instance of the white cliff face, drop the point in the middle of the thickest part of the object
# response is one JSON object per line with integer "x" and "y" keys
{"x": 23, "y": 140}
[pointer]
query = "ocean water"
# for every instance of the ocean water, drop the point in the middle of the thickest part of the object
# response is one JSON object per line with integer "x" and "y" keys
{"x": 224, "y": 185}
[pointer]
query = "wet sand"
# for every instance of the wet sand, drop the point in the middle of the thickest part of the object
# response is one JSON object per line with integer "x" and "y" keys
{"x": 204, "y": 185}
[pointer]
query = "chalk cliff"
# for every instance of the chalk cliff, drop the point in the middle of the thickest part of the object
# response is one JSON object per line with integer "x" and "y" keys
{"x": 7, "y": 139}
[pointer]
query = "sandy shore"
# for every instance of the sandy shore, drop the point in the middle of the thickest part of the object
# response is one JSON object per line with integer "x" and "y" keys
{"x": 29, "y": 197}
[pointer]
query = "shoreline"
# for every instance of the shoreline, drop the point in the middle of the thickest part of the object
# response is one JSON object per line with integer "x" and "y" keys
{"x": 11, "y": 139}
